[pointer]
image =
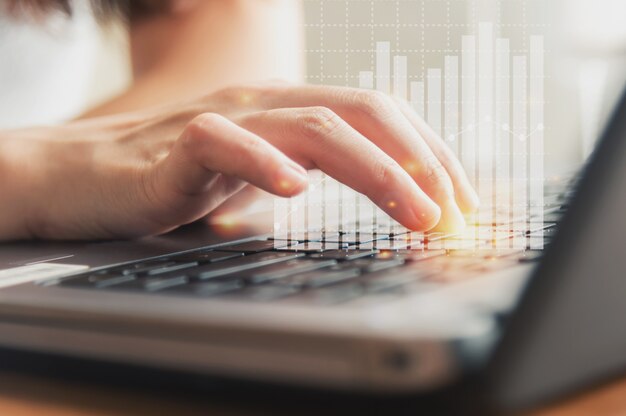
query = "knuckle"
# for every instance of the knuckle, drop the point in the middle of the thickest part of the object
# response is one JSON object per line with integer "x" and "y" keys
{"x": 253, "y": 145}
{"x": 204, "y": 122}
{"x": 197, "y": 129}
{"x": 436, "y": 174}
{"x": 373, "y": 102}
{"x": 386, "y": 173}
{"x": 229, "y": 94}
{"x": 318, "y": 122}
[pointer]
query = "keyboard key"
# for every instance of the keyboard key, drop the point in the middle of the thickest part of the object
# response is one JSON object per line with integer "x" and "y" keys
{"x": 385, "y": 282}
{"x": 172, "y": 268}
{"x": 210, "y": 288}
{"x": 206, "y": 256}
{"x": 356, "y": 238}
{"x": 325, "y": 278}
{"x": 97, "y": 280}
{"x": 314, "y": 247}
{"x": 413, "y": 256}
{"x": 143, "y": 267}
{"x": 303, "y": 236}
{"x": 290, "y": 268}
{"x": 256, "y": 246}
{"x": 374, "y": 265}
{"x": 151, "y": 284}
{"x": 332, "y": 295}
{"x": 343, "y": 255}
{"x": 391, "y": 245}
{"x": 266, "y": 293}
{"x": 240, "y": 264}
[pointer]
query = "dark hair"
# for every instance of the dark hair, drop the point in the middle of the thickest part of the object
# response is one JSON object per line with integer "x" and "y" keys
{"x": 103, "y": 9}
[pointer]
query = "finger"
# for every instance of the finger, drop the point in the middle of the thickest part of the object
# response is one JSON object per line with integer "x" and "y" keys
{"x": 213, "y": 144}
{"x": 377, "y": 117}
{"x": 318, "y": 138}
{"x": 465, "y": 194}
{"x": 212, "y": 160}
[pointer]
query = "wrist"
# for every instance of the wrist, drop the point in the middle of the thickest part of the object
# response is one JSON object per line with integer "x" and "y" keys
{"x": 17, "y": 165}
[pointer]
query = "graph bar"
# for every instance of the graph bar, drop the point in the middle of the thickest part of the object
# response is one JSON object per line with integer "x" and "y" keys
{"x": 468, "y": 110}
{"x": 468, "y": 105}
{"x": 383, "y": 70}
{"x": 485, "y": 122}
{"x": 366, "y": 80}
{"x": 281, "y": 217}
{"x": 331, "y": 206}
{"x": 502, "y": 136}
{"x": 400, "y": 77}
{"x": 451, "y": 102}
{"x": 536, "y": 108}
{"x": 520, "y": 155}
{"x": 298, "y": 212}
{"x": 314, "y": 202}
{"x": 417, "y": 97}
{"x": 433, "y": 112}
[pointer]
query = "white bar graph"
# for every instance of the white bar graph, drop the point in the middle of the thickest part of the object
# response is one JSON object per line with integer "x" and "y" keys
{"x": 417, "y": 97}
{"x": 536, "y": 119}
{"x": 519, "y": 133}
{"x": 400, "y": 77}
{"x": 383, "y": 70}
{"x": 502, "y": 135}
{"x": 366, "y": 80}
{"x": 433, "y": 112}
{"x": 451, "y": 102}
{"x": 488, "y": 106}
{"x": 484, "y": 127}
{"x": 468, "y": 106}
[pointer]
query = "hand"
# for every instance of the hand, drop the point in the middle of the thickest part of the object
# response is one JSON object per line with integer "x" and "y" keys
{"x": 149, "y": 172}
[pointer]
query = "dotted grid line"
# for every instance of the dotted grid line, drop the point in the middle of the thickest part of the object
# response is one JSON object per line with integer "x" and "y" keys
{"x": 347, "y": 23}
{"x": 323, "y": 177}
{"x": 372, "y": 35}
{"x": 401, "y": 51}
{"x": 397, "y": 26}
{"x": 423, "y": 40}
{"x": 417, "y": 25}
{"x": 322, "y": 27}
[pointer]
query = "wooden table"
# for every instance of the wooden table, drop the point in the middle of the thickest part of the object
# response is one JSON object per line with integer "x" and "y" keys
{"x": 27, "y": 395}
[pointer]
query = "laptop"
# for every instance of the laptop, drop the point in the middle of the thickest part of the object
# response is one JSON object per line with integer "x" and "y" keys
{"x": 529, "y": 324}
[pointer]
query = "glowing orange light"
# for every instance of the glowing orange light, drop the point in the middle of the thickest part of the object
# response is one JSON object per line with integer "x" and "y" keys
{"x": 284, "y": 184}
{"x": 392, "y": 204}
{"x": 246, "y": 98}
{"x": 411, "y": 167}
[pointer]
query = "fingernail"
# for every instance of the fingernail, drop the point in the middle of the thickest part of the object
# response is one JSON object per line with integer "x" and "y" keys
{"x": 291, "y": 177}
{"x": 427, "y": 215}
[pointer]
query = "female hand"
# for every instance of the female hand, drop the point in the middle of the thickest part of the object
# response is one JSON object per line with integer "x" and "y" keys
{"x": 149, "y": 172}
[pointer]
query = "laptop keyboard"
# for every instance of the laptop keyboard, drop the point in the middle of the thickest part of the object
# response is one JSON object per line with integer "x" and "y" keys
{"x": 329, "y": 268}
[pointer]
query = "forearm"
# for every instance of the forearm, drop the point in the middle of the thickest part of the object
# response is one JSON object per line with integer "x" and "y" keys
{"x": 16, "y": 171}
{"x": 220, "y": 44}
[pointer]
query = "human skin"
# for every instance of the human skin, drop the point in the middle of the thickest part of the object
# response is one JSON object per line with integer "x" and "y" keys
{"x": 129, "y": 168}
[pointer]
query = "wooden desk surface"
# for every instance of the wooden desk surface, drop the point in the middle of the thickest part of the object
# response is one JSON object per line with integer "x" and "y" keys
{"x": 26, "y": 395}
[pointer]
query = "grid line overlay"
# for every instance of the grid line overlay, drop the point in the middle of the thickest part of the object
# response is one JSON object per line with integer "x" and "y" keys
{"x": 478, "y": 83}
